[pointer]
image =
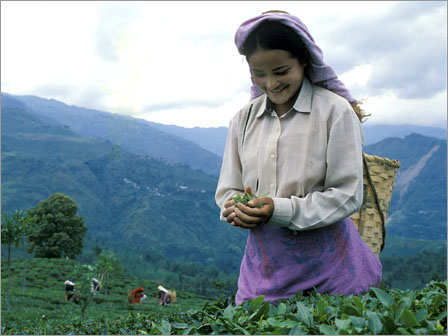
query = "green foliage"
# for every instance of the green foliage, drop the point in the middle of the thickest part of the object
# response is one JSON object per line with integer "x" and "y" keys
{"x": 82, "y": 276}
{"x": 14, "y": 228}
{"x": 107, "y": 264}
{"x": 380, "y": 311}
{"x": 60, "y": 231}
{"x": 413, "y": 272}
{"x": 246, "y": 197}
{"x": 43, "y": 306}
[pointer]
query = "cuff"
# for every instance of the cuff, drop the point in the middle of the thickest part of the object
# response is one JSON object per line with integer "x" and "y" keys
{"x": 282, "y": 214}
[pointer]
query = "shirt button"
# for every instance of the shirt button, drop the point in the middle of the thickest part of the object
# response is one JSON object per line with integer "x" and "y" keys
{"x": 272, "y": 156}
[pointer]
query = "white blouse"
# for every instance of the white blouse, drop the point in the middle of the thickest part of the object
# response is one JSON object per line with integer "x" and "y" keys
{"x": 309, "y": 159}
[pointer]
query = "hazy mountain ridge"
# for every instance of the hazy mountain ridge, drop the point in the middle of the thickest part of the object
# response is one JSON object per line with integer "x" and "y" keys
{"x": 134, "y": 135}
{"x": 214, "y": 139}
{"x": 418, "y": 204}
{"x": 377, "y": 132}
{"x": 128, "y": 132}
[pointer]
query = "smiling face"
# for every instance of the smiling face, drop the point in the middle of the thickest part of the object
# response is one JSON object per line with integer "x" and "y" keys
{"x": 279, "y": 75}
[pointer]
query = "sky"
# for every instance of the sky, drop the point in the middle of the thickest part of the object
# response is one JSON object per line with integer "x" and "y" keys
{"x": 175, "y": 62}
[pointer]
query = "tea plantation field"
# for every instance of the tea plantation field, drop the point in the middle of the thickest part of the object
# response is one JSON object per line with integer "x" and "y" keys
{"x": 42, "y": 309}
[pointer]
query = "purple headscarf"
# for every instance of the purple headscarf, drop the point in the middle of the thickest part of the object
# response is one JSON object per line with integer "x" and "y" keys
{"x": 317, "y": 71}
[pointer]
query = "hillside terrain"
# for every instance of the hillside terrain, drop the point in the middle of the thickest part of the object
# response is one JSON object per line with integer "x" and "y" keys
{"x": 148, "y": 204}
{"x": 419, "y": 196}
{"x": 134, "y": 135}
{"x": 378, "y": 132}
{"x": 160, "y": 218}
{"x": 119, "y": 129}
{"x": 418, "y": 204}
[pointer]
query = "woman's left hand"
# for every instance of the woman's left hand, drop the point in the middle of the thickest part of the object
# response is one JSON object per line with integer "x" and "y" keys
{"x": 258, "y": 211}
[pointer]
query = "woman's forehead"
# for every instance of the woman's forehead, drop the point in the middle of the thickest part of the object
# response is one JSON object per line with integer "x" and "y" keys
{"x": 270, "y": 58}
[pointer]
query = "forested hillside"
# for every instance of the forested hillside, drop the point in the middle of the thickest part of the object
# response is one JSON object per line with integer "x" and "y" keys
{"x": 418, "y": 205}
{"x": 147, "y": 204}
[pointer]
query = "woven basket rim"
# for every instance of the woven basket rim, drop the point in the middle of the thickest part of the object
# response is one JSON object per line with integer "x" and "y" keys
{"x": 389, "y": 162}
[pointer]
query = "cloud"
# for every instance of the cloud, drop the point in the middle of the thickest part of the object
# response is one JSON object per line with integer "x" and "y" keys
{"x": 183, "y": 104}
{"x": 405, "y": 46}
{"x": 88, "y": 96}
{"x": 391, "y": 109}
{"x": 150, "y": 58}
{"x": 112, "y": 30}
{"x": 199, "y": 115}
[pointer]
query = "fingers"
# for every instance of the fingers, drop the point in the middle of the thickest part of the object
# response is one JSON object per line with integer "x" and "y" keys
{"x": 259, "y": 211}
{"x": 238, "y": 222}
{"x": 263, "y": 206}
{"x": 231, "y": 217}
{"x": 255, "y": 218}
{"x": 229, "y": 208}
{"x": 229, "y": 203}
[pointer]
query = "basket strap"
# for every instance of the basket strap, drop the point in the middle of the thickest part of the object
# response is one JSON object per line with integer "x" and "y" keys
{"x": 361, "y": 222}
{"x": 375, "y": 196}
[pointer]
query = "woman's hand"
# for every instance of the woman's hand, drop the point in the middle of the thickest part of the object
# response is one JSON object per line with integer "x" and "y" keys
{"x": 229, "y": 212}
{"x": 258, "y": 211}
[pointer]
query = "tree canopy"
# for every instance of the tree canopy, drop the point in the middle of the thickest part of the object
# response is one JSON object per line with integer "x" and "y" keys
{"x": 59, "y": 230}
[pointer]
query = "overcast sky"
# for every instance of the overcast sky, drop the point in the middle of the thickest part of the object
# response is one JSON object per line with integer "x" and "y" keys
{"x": 176, "y": 62}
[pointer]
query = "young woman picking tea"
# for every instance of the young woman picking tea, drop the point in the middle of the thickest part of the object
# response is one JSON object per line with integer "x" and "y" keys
{"x": 298, "y": 142}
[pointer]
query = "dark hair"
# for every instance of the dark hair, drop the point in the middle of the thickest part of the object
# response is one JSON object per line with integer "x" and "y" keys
{"x": 271, "y": 35}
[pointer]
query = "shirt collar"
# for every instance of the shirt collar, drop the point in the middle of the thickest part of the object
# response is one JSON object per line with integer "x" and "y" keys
{"x": 302, "y": 103}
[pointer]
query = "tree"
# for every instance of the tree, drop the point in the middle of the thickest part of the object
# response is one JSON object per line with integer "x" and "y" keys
{"x": 83, "y": 275}
{"x": 107, "y": 264}
{"x": 59, "y": 230}
{"x": 13, "y": 229}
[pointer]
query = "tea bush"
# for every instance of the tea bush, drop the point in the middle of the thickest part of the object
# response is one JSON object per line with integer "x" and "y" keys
{"x": 380, "y": 311}
{"x": 43, "y": 310}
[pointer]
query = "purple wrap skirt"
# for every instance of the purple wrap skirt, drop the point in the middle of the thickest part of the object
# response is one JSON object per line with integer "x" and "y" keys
{"x": 279, "y": 262}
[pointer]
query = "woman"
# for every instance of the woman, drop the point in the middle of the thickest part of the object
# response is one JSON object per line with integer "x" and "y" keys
{"x": 300, "y": 141}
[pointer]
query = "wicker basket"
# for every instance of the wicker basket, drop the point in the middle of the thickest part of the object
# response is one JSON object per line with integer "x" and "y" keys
{"x": 370, "y": 220}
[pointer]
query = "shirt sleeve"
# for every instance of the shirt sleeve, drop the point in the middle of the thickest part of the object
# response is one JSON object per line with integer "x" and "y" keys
{"x": 230, "y": 178}
{"x": 343, "y": 188}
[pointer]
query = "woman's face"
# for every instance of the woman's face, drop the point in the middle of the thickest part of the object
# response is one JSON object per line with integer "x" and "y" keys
{"x": 279, "y": 75}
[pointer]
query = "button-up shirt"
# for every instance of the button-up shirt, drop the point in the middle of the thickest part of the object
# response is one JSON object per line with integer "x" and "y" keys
{"x": 309, "y": 159}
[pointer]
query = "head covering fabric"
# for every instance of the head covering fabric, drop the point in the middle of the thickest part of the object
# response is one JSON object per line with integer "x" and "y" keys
{"x": 163, "y": 289}
{"x": 317, "y": 71}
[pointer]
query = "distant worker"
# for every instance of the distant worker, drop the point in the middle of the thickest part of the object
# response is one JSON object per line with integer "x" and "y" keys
{"x": 69, "y": 290}
{"x": 95, "y": 285}
{"x": 136, "y": 295}
{"x": 166, "y": 297}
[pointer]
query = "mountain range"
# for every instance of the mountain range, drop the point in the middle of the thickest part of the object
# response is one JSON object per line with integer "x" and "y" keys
{"x": 139, "y": 202}
{"x": 151, "y": 187}
{"x": 135, "y": 134}
{"x": 418, "y": 204}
